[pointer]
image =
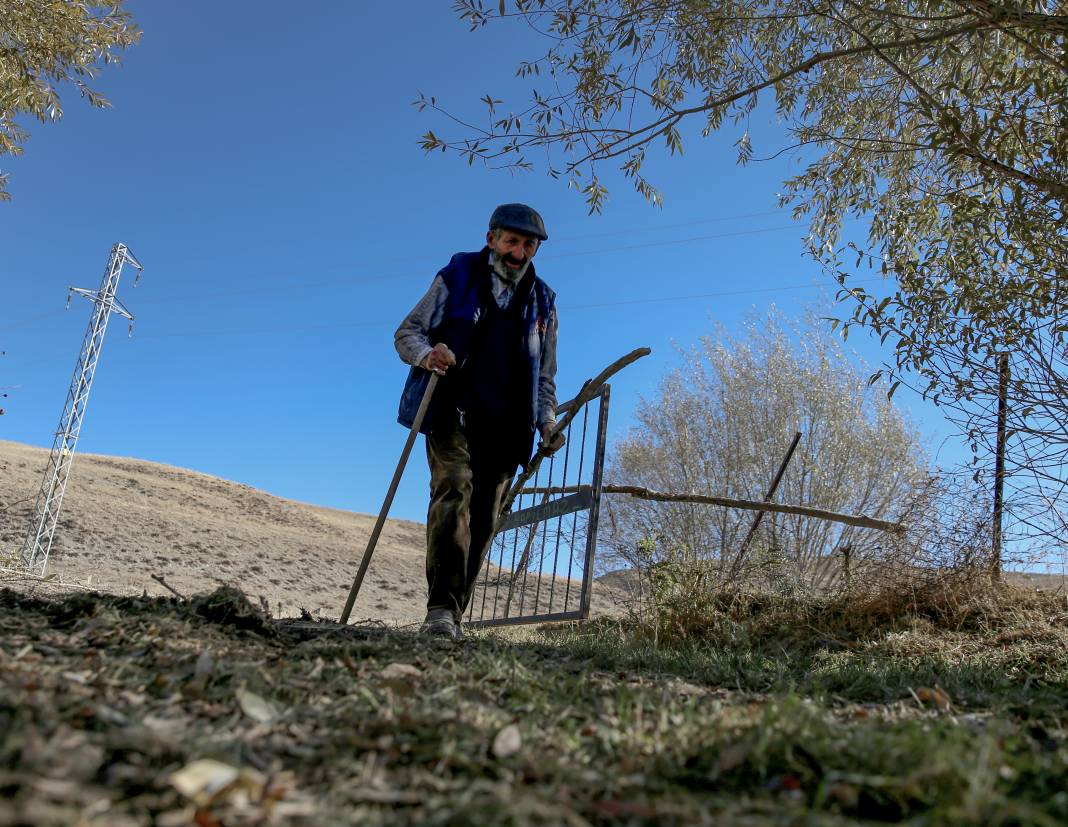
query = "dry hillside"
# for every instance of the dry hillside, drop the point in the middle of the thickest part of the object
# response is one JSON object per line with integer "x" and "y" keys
{"x": 125, "y": 520}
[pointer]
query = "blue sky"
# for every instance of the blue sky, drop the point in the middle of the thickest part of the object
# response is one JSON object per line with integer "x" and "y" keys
{"x": 262, "y": 162}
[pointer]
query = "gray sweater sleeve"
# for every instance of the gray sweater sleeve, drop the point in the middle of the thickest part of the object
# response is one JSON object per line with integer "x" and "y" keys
{"x": 411, "y": 339}
{"x": 547, "y": 377}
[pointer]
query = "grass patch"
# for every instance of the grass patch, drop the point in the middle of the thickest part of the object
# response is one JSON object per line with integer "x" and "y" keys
{"x": 768, "y": 716}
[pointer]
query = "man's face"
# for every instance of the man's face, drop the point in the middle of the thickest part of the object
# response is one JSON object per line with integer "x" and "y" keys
{"x": 514, "y": 249}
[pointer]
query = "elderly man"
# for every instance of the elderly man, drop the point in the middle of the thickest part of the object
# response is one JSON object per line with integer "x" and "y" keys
{"x": 488, "y": 327}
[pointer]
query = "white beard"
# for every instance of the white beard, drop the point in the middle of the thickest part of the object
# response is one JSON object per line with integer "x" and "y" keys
{"x": 511, "y": 276}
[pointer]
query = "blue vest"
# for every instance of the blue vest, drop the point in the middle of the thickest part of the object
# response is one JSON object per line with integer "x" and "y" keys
{"x": 463, "y": 307}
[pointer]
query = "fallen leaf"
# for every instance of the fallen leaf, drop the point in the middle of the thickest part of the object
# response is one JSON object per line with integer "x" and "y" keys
{"x": 210, "y": 710}
{"x": 257, "y": 708}
{"x": 508, "y": 742}
{"x": 400, "y": 677}
{"x": 203, "y": 779}
{"x": 205, "y": 663}
{"x": 111, "y": 716}
{"x": 133, "y": 698}
{"x": 176, "y": 818}
{"x": 937, "y": 696}
{"x": 206, "y": 781}
{"x": 395, "y": 671}
{"x": 279, "y": 786}
{"x": 294, "y": 809}
{"x": 164, "y": 726}
{"x": 732, "y": 757}
{"x": 202, "y": 818}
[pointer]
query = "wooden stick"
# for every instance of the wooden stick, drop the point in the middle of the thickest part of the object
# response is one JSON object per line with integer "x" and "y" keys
{"x": 390, "y": 494}
{"x": 6, "y": 506}
{"x": 588, "y": 392}
{"x": 859, "y": 520}
{"x": 999, "y": 465}
{"x": 767, "y": 498}
{"x": 168, "y": 587}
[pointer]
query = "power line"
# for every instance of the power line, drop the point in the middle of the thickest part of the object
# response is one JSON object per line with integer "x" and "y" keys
{"x": 29, "y": 320}
{"x": 722, "y": 294}
{"x": 673, "y": 241}
{"x": 654, "y": 227}
{"x": 565, "y": 308}
{"x": 360, "y": 280}
{"x": 366, "y": 279}
{"x": 357, "y": 280}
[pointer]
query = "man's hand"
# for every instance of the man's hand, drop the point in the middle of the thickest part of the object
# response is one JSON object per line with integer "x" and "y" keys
{"x": 440, "y": 359}
{"x": 551, "y": 444}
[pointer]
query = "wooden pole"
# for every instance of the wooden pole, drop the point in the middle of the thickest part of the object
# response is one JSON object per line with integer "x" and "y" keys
{"x": 767, "y": 498}
{"x": 858, "y": 520}
{"x": 999, "y": 465}
{"x": 390, "y": 494}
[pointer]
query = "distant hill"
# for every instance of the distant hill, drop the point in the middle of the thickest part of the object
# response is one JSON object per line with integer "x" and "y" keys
{"x": 125, "y": 520}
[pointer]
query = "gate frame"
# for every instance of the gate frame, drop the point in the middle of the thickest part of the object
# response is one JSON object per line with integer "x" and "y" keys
{"x": 537, "y": 514}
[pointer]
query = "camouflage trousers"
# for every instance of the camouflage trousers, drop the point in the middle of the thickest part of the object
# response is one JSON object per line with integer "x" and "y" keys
{"x": 467, "y": 485}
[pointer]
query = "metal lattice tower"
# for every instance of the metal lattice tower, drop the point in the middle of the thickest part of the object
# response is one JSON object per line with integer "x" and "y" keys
{"x": 49, "y": 499}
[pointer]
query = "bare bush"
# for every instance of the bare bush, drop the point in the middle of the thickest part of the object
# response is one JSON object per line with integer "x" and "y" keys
{"x": 720, "y": 426}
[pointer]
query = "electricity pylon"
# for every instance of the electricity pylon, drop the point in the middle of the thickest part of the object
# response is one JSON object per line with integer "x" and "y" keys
{"x": 49, "y": 499}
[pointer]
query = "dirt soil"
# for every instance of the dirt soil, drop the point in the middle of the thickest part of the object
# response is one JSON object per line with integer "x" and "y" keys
{"x": 125, "y": 520}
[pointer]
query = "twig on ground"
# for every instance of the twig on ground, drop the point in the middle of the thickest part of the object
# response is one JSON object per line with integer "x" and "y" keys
{"x": 168, "y": 587}
{"x": 6, "y": 506}
{"x": 13, "y": 574}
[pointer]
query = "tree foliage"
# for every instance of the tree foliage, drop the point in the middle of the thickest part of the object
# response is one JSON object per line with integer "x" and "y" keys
{"x": 721, "y": 424}
{"x": 47, "y": 43}
{"x": 943, "y": 124}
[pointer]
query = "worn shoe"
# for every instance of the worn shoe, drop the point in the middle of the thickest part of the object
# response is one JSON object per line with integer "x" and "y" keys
{"x": 441, "y": 623}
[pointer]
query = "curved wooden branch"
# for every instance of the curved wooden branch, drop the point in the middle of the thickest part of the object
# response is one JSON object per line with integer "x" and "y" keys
{"x": 858, "y": 520}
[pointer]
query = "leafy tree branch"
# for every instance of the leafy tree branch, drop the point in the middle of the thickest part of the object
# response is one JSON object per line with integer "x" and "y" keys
{"x": 45, "y": 44}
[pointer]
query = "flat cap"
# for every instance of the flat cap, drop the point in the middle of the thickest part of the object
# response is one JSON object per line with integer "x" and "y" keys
{"x": 518, "y": 217}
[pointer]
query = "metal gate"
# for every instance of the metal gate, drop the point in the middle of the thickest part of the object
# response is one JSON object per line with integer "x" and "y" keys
{"x": 540, "y": 565}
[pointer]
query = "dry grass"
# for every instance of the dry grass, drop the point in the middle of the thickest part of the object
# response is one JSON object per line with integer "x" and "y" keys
{"x": 106, "y": 703}
{"x": 126, "y": 521}
{"x": 939, "y": 702}
{"x": 681, "y": 601}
